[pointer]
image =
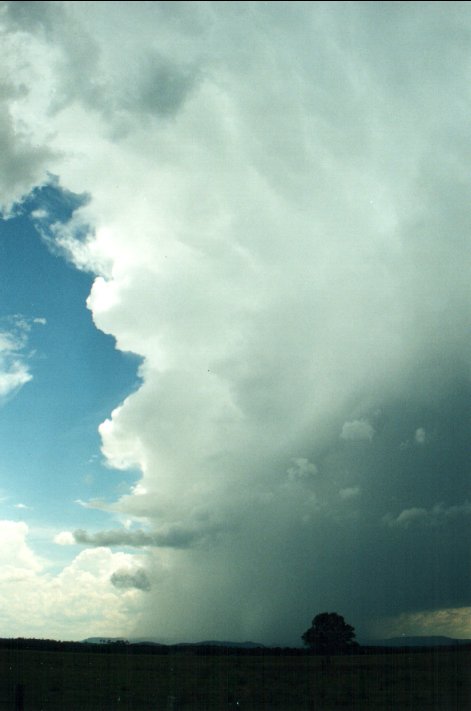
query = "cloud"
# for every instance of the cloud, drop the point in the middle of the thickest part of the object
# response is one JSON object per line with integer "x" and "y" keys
{"x": 128, "y": 578}
{"x": 357, "y": 430}
{"x": 350, "y": 492}
{"x": 452, "y": 622}
{"x": 302, "y": 469}
{"x": 437, "y": 515}
{"x": 22, "y": 164}
{"x": 282, "y": 237}
{"x": 14, "y": 370}
{"x": 175, "y": 536}
{"x": 161, "y": 87}
{"x": 67, "y": 603}
{"x": 407, "y": 517}
{"x": 13, "y": 378}
{"x": 420, "y": 436}
{"x": 64, "y": 538}
{"x": 17, "y": 559}
{"x": 15, "y": 355}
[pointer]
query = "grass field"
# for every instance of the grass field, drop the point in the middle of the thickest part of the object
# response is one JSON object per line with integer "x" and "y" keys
{"x": 72, "y": 681}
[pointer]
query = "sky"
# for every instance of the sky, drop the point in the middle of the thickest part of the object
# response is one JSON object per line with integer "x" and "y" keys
{"x": 234, "y": 319}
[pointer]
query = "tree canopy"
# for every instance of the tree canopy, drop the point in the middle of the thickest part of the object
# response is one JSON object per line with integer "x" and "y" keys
{"x": 330, "y": 634}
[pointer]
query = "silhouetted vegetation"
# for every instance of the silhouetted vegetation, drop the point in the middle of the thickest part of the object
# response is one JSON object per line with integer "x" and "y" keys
{"x": 330, "y": 634}
{"x": 210, "y": 649}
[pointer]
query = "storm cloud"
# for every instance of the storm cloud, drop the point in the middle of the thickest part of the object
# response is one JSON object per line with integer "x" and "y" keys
{"x": 175, "y": 536}
{"x": 129, "y": 579}
{"x": 279, "y": 225}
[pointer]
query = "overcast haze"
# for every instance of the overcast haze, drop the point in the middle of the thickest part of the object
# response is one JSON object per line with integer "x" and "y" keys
{"x": 271, "y": 204}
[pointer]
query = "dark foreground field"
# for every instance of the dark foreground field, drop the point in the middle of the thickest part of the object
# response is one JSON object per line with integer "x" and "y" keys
{"x": 72, "y": 681}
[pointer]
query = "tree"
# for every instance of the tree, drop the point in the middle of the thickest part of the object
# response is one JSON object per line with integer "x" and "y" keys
{"x": 330, "y": 634}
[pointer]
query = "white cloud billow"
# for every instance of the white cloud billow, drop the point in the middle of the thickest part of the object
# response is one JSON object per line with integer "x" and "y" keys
{"x": 350, "y": 492}
{"x": 357, "y": 430}
{"x": 64, "y": 538}
{"x": 63, "y": 605}
{"x": 302, "y": 469}
{"x": 437, "y": 515}
{"x": 16, "y": 557}
{"x": 420, "y": 436}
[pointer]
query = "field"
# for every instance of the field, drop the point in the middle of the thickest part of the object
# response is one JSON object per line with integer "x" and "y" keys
{"x": 72, "y": 681}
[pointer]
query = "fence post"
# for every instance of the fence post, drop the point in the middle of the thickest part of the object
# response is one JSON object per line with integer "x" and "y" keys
{"x": 19, "y": 697}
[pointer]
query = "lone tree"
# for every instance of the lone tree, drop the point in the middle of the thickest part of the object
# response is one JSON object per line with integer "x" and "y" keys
{"x": 330, "y": 634}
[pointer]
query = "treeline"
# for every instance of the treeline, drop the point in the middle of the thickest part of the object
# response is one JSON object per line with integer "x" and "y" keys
{"x": 127, "y": 648}
{"x": 124, "y": 647}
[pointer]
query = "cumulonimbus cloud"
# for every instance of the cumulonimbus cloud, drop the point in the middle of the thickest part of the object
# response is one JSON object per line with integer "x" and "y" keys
{"x": 278, "y": 218}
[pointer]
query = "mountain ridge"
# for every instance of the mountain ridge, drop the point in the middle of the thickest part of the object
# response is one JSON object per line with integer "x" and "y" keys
{"x": 417, "y": 641}
{"x": 152, "y": 640}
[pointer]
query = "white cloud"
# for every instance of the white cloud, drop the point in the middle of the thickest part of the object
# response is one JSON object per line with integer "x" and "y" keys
{"x": 357, "y": 430}
{"x": 39, "y": 214}
{"x": 420, "y": 435}
{"x": 14, "y": 371}
{"x": 14, "y": 378}
{"x": 350, "y": 492}
{"x": 438, "y": 514}
{"x": 16, "y": 557}
{"x": 67, "y": 604}
{"x": 407, "y": 517}
{"x": 64, "y": 538}
{"x": 302, "y": 469}
{"x": 14, "y": 355}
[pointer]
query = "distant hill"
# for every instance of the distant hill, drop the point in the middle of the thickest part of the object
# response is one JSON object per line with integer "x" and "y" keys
{"x": 216, "y": 643}
{"x": 147, "y": 640}
{"x": 432, "y": 641}
{"x": 103, "y": 640}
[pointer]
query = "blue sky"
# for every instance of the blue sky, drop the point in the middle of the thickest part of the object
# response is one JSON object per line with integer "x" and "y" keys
{"x": 49, "y": 429}
{"x": 267, "y": 204}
